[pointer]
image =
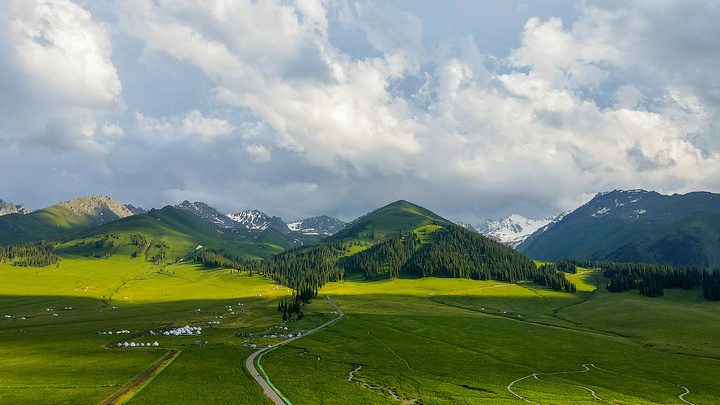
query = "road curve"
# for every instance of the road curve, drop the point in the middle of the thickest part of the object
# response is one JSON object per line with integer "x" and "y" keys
{"x": 268, "y": 388}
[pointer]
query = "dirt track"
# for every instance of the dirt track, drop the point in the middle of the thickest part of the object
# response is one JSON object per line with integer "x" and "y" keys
{"x": 141, "y": 379}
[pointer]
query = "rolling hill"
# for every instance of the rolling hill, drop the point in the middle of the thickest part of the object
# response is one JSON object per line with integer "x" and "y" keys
{"x": 176, "y": 233}
{"x": 636, "y": 226}
{"x": 61, "y": 220}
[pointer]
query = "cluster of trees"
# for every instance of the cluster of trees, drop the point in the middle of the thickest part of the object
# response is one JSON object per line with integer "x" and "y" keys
{"x": 141, "y": 242}
{"x": 385, "y": 259}
{"x": 36, "y": 254}
{"x": 160, "y": 256}
{"x": 550, "y": 275}
{"x": 711, "y": 285}
{"x": 566, "y": 266}
{"x": 304, "y": 270}
{"x": 217, "y": 258}
{"x": 649, "y": 279}
{"x": 457, "y": 252}
{"x": 289, "y": 308}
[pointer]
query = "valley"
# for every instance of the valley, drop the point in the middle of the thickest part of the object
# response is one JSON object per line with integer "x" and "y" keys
{"x": 404, "y": 308}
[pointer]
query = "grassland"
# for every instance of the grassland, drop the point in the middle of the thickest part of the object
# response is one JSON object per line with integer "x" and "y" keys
{"x": 57, "y": 356}
{"x": 430, "y": 340}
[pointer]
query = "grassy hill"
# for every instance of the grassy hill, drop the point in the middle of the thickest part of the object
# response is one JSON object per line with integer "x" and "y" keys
{"x": 636, "y": 226}
{"x": 60, "y": 221}
{"x": 170, "y": 233}
{"x": 400, "y": 216}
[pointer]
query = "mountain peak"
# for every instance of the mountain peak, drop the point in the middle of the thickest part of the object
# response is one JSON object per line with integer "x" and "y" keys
{"x": 10, "y": 208}
{"x": 258, "y": 220}
{"x": 102, "y": 209}
{"x": 514, "y": 229}
{"x": 389, "y": 220}
{"x": 322, "y": 225}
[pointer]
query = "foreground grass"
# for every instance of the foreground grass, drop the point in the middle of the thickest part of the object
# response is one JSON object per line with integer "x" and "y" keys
{"x": 57, "y": 356}
{"x": 428, "y": 341}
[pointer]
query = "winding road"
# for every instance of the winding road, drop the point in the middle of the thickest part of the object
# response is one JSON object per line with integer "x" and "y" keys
{"x": 268, "y": 388}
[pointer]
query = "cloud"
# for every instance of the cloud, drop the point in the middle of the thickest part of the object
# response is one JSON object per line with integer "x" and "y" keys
{"x": 343, "y": 118}
{"x": 208, "y": 128}
{"x": 284, "y": 118}
{"x": 397, "y": 34}
{"x": 65, "y": 52}
{"x": 59, "y": 79}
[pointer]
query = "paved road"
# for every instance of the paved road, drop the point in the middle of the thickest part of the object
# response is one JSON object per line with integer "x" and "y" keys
{"x": 268, "y": 388}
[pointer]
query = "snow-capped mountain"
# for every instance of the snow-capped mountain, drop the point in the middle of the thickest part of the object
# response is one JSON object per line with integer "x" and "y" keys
{"x": 209, "y": 215}
{"x": 322, "y": 225}
{"x": 514, "y": 229}
{"x": 258, "y": 220}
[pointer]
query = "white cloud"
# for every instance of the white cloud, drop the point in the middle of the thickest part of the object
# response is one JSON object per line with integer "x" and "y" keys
{"x": 259, "y": 153}
{"x": 334, "y": 111}
{"x": 113, "y": 130}
{"x": 59, "y": 79}
{"x": 67, "y": 53}
{"x": 208, "y": 128}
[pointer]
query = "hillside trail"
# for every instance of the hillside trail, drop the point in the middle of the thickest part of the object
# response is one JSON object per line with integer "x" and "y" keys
{"x": 269, "y": 389}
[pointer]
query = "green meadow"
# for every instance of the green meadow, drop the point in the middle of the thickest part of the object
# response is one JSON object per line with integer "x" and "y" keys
{"x": 429, "y": 342}
{"x": 425, "y": 341}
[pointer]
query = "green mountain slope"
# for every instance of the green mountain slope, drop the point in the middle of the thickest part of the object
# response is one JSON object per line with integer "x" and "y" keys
{"x": 60, "y": 220}
{"x": 636, "y": 226}
{"x": 167, "y": 235}
{"x": 400, "y": 216}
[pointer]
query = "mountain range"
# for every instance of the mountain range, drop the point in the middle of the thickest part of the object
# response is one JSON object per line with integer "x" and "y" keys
{"x": 630, "y": 225}
{"x": 259, "y": 221}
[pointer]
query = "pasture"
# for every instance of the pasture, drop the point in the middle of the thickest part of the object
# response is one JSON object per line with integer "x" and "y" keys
{"x": 425, "y": 341}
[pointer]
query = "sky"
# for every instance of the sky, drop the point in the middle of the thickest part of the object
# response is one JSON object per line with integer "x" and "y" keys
{"x": 473, "y": 109}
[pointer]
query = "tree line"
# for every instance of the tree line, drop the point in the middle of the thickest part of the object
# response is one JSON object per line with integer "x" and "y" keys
{"x": 653, "y": 279}
{"x": 35, "y": 254}
{"x": 217, "y": 258}
{"x": 455, "y": 252}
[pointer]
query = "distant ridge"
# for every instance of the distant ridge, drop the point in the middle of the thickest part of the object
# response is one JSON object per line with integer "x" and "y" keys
{"x": 636, "y": 226}
{"x": 322, "y": 225}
